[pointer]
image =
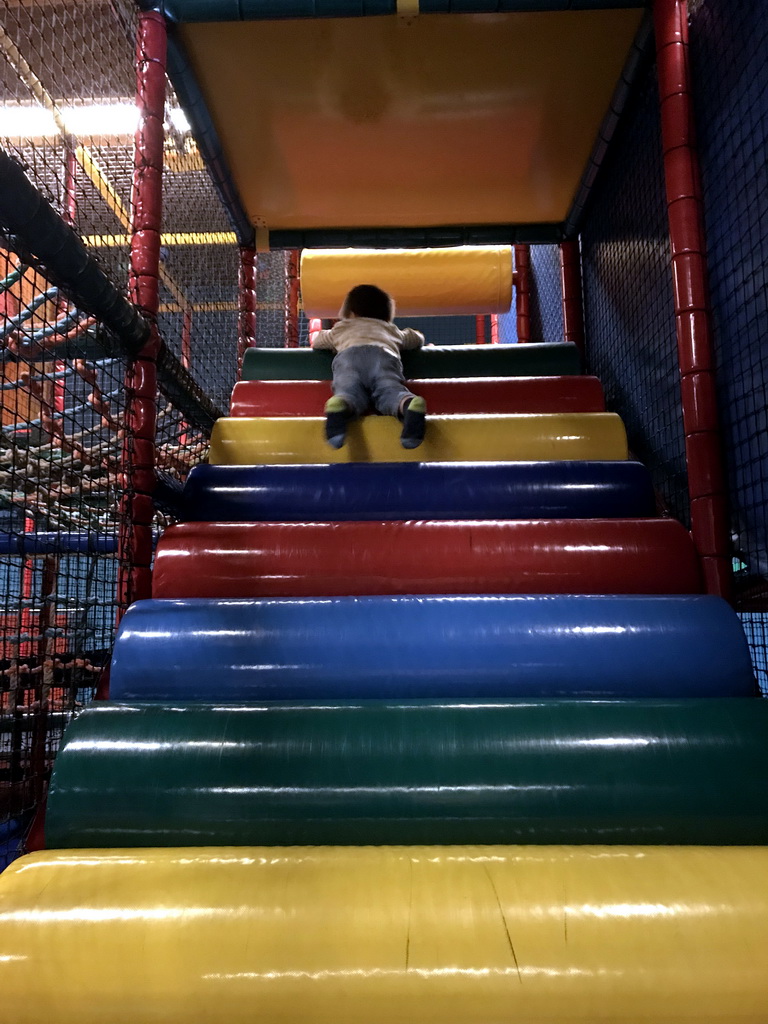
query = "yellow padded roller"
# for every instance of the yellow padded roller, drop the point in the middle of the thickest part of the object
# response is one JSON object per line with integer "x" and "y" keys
{"x": 245, "y": 441}
{"x": 423, "y": 282}
{"x": 387, "y": 935}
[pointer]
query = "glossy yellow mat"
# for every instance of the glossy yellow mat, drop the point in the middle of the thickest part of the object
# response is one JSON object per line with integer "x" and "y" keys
{"x": 247, "y": 441}
{"x": 387, "y": 935}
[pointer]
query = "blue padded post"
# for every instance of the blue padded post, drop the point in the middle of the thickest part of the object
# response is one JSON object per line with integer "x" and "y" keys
{"x": 542, "y": 646}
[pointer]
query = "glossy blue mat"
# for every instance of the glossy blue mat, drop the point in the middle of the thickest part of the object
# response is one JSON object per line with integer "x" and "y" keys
{"x": 511, "y": 646}
{"x": 365, "y": 491}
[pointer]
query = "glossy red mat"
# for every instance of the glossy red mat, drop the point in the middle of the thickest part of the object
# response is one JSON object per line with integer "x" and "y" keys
{"x": 587, "y": 556}
{"x": 462, "y": 396}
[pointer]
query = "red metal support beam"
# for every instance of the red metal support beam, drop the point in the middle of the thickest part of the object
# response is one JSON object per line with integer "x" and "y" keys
{"x": 292, "y": 299}
{"x": 570, "y": 281}
{"x": 523, "y": 291}
{"x": 138, "y": 458}
{"x": 706, "y": 479}
{"x": 246, "y": 320}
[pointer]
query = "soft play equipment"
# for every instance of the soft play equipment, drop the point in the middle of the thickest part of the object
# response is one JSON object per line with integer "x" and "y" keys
{"x": 635, "y": 771}
{"x": 587, "y": 556}
{"x": 419, "y": 490}
{"x": 469, "y": 395}
{"x": 529, "y": 437}
{"x": 489, "y": 646}
{"x": 388, "y": 934}
{"x": 530, "y": 360}
{"x": 427, "y": 282}
{"x": 496, "y": 646}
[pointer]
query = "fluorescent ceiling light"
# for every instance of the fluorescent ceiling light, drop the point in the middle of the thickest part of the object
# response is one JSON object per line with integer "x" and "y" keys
{"x": 178, "y": 119}
{"x": 32, "y": 122}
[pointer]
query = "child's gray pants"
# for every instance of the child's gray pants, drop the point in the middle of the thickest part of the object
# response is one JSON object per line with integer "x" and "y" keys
{"x": 369, "y": 375}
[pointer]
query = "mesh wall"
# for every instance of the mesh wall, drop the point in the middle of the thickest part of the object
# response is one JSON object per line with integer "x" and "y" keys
{"x": 508, "y": 328}
{"x": 729, "y": 55}
{"x": 68, "y": 117}
{"x": 546, "y": 294}
{"x": 629, "y": 312}
{"x": 447, "y": 330}
{"x": 628, "y": 299}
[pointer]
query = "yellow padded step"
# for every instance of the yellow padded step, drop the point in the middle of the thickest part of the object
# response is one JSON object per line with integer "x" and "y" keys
{"x": 387, "y": 935}
{"x": 247, "y": 441}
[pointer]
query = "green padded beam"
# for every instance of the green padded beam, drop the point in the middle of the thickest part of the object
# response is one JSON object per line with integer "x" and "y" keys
{"x": 391, "y": 772}
{"x": 261, "y": 10}
{"x": 530, "y": 360}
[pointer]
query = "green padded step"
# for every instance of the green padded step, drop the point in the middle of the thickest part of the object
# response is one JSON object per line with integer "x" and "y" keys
{"x": 433, "y": 361}
{"x": 391, "y": 772}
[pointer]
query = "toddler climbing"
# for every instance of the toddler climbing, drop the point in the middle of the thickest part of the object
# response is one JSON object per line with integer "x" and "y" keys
{"x": 367, "y": 368}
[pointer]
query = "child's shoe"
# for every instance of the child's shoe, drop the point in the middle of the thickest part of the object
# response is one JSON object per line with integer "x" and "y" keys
{"x": 337, "y": 415}
{"x": 414, "y": 423}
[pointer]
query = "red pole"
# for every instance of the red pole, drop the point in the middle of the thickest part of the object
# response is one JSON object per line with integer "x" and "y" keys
{"x": 138, "y": 460}
{"x": 706, "y": 482}
{"x": 186, "y": 359}
{"x": 570, "y": 281}
{"x": 523, "y": 291}
{"x": 246, "y": 320}
{"x": 292, "y": 300}
{"x": 494, "y": 329}
{"x": 480, "y": 330}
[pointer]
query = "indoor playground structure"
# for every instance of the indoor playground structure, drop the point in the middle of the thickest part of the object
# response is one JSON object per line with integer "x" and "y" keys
{"x": 471, "y": 733}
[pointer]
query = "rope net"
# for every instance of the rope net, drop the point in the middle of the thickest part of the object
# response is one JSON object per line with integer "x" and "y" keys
{"x": 630, "y": 329}
{"x": 68, "y": 119}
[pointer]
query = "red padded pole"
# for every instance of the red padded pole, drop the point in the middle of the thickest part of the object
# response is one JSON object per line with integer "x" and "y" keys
{"x": 292, "y": 300}
{"x": 706, "y": 480}
{"x": 494, "y": 329}
{"x": 246, "y": 320}
{"x": 523, "y": 291}
{"x": 570, "y": 282}
{"x": 138, "y": 457}
{"x": 479, "y": 330}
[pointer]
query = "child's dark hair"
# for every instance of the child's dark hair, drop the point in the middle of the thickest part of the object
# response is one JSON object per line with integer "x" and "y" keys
{"x": 368, "y": 300}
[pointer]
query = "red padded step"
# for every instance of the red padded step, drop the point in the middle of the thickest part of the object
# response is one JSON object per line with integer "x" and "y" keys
{"x": 557, "y": 556}
{"x": 464, "y": 395}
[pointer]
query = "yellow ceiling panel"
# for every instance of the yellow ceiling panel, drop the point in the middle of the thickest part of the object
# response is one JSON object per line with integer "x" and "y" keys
{"x": 410, "y": 122}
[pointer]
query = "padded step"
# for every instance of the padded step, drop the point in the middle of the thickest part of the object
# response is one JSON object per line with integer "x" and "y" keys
{"x": 387, "y": 935}
{"x": 595, "y": 646}
{"x": 503, "y": 490}
{"x": 530, "y": 360}
{"x": 372, "y": 772}
{"x": 467, "y": 395}
{"x": 577, "y": 556}
{"x": 276, "y": 441}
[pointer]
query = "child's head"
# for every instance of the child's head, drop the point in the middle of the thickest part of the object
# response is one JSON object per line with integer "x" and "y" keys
{"x": 368, "y": 300}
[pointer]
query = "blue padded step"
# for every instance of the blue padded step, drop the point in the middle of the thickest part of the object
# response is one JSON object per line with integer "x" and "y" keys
{"x": 496, "y": 490}
{"x": 510, "y": 646}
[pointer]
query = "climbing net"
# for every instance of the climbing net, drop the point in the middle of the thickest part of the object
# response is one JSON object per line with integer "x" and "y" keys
{"x": 68, "y": 119}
